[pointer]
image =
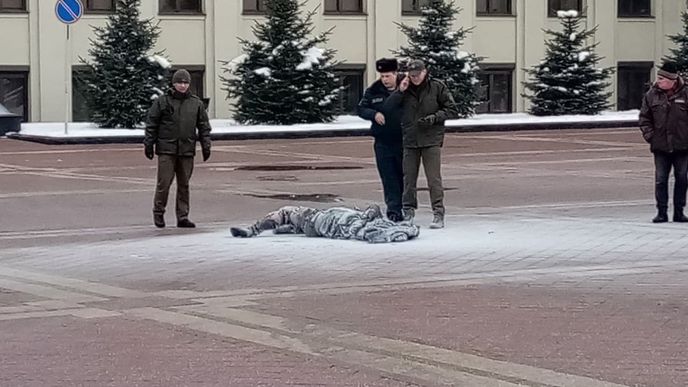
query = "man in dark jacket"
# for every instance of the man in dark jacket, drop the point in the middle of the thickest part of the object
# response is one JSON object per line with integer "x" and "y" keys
{"x": 426, "y": 104}
{"x": 386, "y": 129}
{"x": 175, "y": 121}
{"x": 664, "y": 124}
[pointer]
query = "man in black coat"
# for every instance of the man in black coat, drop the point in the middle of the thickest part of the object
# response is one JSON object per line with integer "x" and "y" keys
{"x": 664, "y": 125}
{"x": 386, "y": 129}
{"x": 176, "y": 121}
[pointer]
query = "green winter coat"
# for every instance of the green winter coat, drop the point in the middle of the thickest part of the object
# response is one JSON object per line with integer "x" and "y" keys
{"x": 175, "y": 122}
{"x": 431, "y": 97}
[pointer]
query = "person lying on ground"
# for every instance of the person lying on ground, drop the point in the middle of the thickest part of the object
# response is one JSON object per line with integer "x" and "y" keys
{"x": 335, "y": 223}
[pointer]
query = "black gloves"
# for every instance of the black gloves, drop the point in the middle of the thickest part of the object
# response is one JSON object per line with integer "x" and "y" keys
{"x": 149, "y": 151}
{"x": 206, "y": 153}
{"x": 427, "y": 120}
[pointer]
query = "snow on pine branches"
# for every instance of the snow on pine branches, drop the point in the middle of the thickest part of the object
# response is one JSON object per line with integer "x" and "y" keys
{"x": 435, "y": 43}
{"x": 567, "y": 80}
{"x": 285, "y": 76}
{"x": 123, "y": 75}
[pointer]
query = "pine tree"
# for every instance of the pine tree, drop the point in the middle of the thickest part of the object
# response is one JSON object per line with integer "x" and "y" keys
{"x": 284, "y": 77}
{"x": 567, "y": 80}
{"x": 123, "y": 76}
{"x": 680, "y": 54}
{"x": 434, "y": 42}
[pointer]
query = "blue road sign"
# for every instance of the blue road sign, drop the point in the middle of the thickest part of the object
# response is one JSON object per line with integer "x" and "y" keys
{"x": 69, "y": 11}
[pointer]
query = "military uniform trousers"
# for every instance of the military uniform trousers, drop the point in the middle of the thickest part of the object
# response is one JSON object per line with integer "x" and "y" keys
{"x": 169, "y": 167}
{"x": 431, "y": 157}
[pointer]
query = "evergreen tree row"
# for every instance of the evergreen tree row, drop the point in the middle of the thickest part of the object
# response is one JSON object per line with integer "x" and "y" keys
{"x": 286, "y": 75}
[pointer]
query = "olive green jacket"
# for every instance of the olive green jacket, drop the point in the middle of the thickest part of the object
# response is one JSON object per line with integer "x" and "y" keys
{"x": 175, "y": 122}
{"x": 430, "y": 98}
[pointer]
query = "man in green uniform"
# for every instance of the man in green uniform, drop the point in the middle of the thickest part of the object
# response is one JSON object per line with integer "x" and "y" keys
{"x": 426, "y": 104}
{"x": 175, "y": 122}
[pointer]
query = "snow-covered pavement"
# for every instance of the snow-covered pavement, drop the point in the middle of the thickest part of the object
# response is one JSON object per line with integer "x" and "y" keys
{"x": 56, "y": 130}
{"x": 549, "y": 271}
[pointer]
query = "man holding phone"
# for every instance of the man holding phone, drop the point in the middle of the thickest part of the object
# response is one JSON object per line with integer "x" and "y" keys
{"x": 426, "y": 104}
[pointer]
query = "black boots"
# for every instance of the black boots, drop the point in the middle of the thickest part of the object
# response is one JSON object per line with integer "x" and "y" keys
{"x": 663, "y": 217}
{"x": 159, "y": 220}
{"x": 244, "y": 232}
{"x": 185, "y": 223}
{"x": 679, "y": 216}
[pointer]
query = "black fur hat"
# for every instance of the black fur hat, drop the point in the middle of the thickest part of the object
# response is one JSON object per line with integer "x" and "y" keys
{"x": 386, "y": 65}
{"x": 668, "y": 70}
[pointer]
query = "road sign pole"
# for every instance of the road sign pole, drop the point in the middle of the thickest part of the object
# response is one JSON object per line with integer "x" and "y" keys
{"x": 68, "y": 76}
{"x": 68, "y": 12}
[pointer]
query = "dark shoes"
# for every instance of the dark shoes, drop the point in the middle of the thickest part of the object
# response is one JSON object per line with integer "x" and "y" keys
{"x": 395, "y": 217}
{"x": 159, "y": 220}
{"x": 241, "y": 232}
{"x": 661, "y": 217}
{"x": 679, "y": 217}
{"x": 185, "y": 223}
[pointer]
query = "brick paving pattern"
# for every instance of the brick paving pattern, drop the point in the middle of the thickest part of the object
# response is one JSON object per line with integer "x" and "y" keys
{"x": 548, "y": 273}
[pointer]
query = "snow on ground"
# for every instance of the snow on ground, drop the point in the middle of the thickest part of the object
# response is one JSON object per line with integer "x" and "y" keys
{"x": 56, "y": 129}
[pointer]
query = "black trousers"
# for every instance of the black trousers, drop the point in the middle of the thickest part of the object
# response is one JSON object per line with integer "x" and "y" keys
{"x": 389, "y": 160}
{"x": 663, "y": 164}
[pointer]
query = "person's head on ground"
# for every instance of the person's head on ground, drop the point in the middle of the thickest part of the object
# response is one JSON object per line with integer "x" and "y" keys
{"x": 667, "y": 76}
{"x": 181, "y": 80}
{"x": 417, "y": 71}
{"x": 388, "y": 72}
{"x": 372, "y": 212}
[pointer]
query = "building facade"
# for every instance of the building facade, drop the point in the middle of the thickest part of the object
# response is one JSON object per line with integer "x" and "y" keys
{"x": 200, "y": 34}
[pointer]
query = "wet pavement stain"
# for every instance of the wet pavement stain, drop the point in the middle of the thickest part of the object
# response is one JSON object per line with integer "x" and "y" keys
{"x": 318, "y": 197}
{"x": 277, "y": 178}
{"x": 296, "y": 167}
{"x": 445, "y": 189}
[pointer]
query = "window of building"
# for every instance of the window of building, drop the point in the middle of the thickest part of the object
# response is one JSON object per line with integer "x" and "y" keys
{"x": 634, "y": 8}
{"x": 351, "y": 77}
{"x": 254, "y": 7}
{"x": 563, "y": 5}
{"x": 99, "y": 6}
{"x": 495, "y": 89}
{"x": 12, "y": 5}
{"x": 633, "y": 80}
{"x": 413, "y": 7}
{"x": 343, "y": 6}
{"x": 493, "y": 7}
{"x": 180, "y": 6}
{"x": 14, "y": 92}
